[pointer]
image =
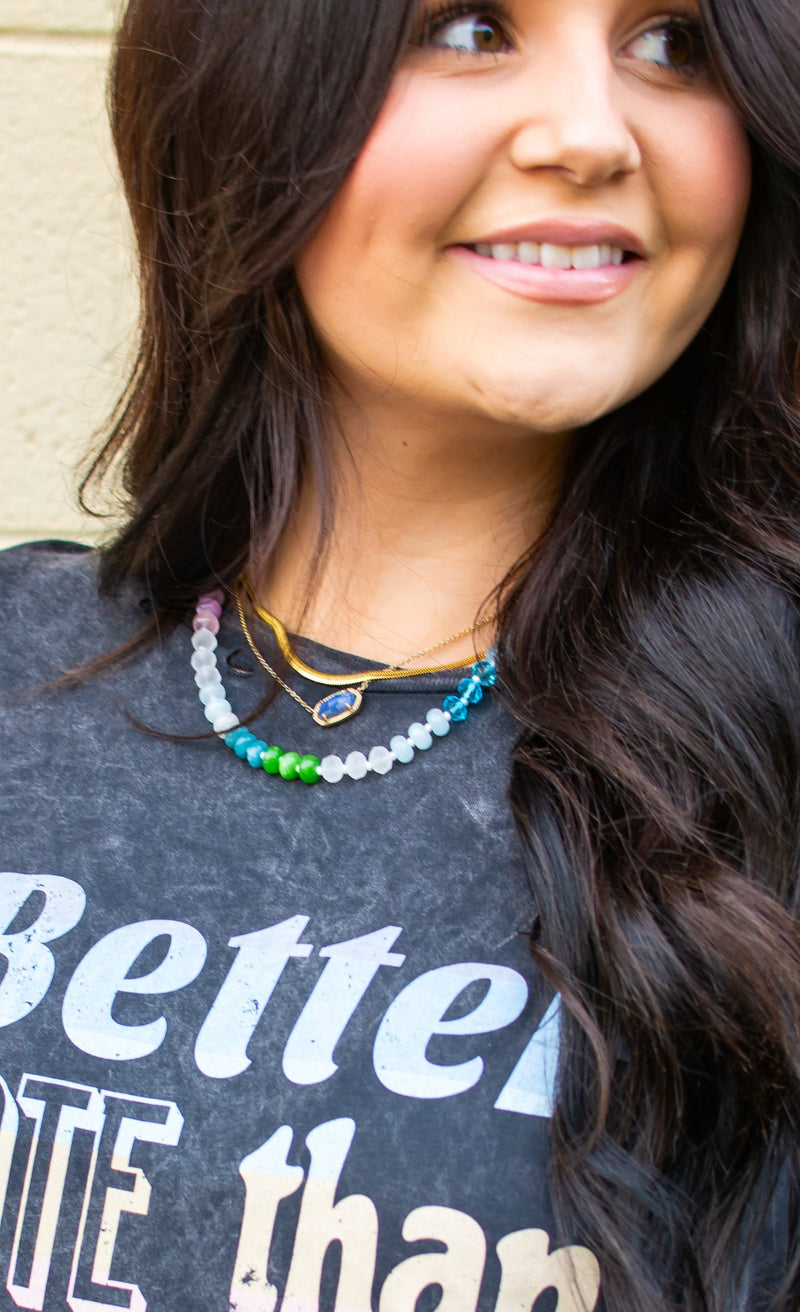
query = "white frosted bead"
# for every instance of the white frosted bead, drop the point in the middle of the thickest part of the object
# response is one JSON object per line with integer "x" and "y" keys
{"x": 438, "y": 722}
{"x": 402, "y": 748}
{"x": 202, "y": 657}
{"x": 420, "y": 736}
{"x": 207, "y": 674}
{"x": 216, "y": 708}
{"x": 212, "y": 692}
{"x": 332, "y": 769}
{"x": 380, "y": 760}
{"x": 202, "y": 638}
{"x": 356, "y": 765}
{"x": 225, "y": 722}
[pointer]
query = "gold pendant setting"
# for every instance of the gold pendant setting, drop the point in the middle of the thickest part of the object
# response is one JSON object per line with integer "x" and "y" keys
{"x": 337, "y": 706}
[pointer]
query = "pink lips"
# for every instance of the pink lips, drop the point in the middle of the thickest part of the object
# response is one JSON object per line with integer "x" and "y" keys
{"x": 568, "y": 286}
{"x": 557, "y": 286}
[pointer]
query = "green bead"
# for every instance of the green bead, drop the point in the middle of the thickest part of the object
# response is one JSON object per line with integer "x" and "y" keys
{"x": 287, "y": 765}
{"x": 272, "y": 759}
{"x": 307, "y": 769}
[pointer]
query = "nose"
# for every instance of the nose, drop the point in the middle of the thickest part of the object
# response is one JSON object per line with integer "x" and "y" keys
{"x": 572, "y": 118}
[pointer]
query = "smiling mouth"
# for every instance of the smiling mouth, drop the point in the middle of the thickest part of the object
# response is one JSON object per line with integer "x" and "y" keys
{"x": 550, "y": 256}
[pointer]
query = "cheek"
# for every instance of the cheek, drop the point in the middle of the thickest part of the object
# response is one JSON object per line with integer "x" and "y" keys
{"x": 411, "y": 176}
{"x": 706, "y": 184}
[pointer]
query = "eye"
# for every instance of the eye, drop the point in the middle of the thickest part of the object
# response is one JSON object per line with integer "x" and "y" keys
{"x": 477, "y": 31}
{"x": 676, "y": 45}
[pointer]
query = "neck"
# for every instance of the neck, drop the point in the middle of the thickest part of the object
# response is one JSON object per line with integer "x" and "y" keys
{"x": 427, "y": 522}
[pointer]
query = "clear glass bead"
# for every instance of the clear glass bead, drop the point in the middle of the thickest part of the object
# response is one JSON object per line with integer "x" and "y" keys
{"x": 380, "y": 759}
{"x": 202, "y": 658}
{"x": 212, "y": 692}
{"x": 203, "y": 639}
{"x": 438, "y": 722}
{"x": 420, "y": 736}
{"x": 206, "y": 675}
{"x": 216, "y": 707}
{"x": 356, "y": 765}
{"x": 402, "y": 748}
{"x": 332, "y": 769}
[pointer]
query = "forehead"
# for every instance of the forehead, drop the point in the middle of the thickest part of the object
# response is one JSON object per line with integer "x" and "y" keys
{"x": 588, "y": 11}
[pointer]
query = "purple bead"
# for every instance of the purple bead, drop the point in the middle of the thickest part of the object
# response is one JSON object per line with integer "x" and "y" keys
{"x": 206, "y": 604}
{"x": 208, "y": 622}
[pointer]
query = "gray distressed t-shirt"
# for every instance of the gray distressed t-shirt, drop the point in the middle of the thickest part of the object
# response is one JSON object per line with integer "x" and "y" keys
{"x": 261, "y": 1044}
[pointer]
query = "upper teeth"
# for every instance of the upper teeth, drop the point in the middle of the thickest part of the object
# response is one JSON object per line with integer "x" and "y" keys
{"x": 550, "y": 256}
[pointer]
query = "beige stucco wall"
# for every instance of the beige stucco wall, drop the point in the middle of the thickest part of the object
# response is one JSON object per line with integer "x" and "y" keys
{"x": 66, "y": 286}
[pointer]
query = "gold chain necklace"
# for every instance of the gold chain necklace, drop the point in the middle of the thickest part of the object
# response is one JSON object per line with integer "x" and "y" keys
{"x": 336, "y": 707}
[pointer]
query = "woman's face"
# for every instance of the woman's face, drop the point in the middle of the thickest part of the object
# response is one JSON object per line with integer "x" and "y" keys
{"x": 542, "y": 218}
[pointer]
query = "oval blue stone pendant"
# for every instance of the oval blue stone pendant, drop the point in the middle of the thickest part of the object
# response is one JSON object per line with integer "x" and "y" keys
{"x": 337, "y": 706}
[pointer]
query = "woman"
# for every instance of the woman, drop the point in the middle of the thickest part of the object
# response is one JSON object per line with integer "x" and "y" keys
{"x": 462, "y": 329}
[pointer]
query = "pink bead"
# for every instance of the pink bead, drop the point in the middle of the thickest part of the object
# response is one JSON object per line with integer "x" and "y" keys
{"x": 208, "y": 622}
{"x": 209, "y": 603}
{"x": 216, "y": 594}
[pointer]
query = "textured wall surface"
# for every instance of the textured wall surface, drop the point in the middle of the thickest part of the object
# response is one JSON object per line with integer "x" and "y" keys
{"x": 67, "y": 300}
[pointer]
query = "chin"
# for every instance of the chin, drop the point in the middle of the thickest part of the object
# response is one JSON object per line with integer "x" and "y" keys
{"x": 549, "y": 411}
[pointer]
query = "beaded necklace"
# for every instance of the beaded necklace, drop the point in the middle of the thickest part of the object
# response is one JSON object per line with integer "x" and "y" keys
{"x": 291, "y": 765}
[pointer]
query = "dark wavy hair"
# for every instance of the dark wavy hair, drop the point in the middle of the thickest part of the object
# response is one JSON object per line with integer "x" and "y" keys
{"x": 649, "y": 641}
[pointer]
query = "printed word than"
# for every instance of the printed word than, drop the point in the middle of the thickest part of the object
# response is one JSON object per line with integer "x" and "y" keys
{"x": 87, "y": 1211}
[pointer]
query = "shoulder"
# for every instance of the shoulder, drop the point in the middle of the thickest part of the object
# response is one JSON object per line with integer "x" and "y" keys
{"x": 30, "y": 570}
{"x": 53, "y": 616}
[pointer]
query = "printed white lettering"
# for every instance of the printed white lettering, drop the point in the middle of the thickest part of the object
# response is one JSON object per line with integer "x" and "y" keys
{"x": 458, "y": 1271}
{"x": 128, "y": 1120}
{"x": 221, "y": 1047}
{"x": 30, "y": 963}
{"x": 9, "y": 1125}
{"x": 352, "y": 966}
{"x": 530, "y": 1088}
{"x": 352, "y": 1223}
{"x": 58, "y": 1110}
{"x": 103, "y": 974}
{"x": 528, "y": 1269}
{"x": 268, "y": 1179}
{"x": 417, "y": 1014}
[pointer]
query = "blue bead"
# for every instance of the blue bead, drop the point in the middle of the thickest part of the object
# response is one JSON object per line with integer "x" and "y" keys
{"x": 457, "y": 708}
{"x": 469, "y": 691}
{"x": 486, "y": 673}
{"x": 232, "y": 738}
{"x": 254, "y": 753}
{"x": 240, "y": 747}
